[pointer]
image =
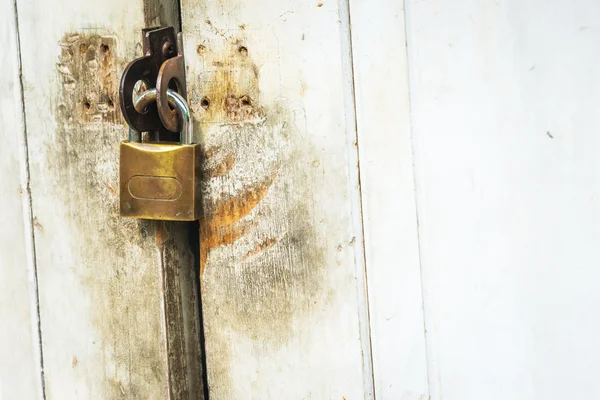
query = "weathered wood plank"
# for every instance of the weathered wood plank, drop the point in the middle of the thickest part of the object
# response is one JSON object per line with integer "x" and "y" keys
{"x": 388, "y": 196}
{"x": 20, "y": 366}
{"x": 504, "y": 104}
{"x": 282, "y": 285}
{"x": 105, "y": 333}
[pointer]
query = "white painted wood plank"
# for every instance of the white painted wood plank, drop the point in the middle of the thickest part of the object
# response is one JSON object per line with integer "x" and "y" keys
{"x": 388, "y": 198}
{"x": 504, "y": 98}
{"x": 103, "y": 330}
{"x": 20, "y": 365}
{"x": 281, "y": 235}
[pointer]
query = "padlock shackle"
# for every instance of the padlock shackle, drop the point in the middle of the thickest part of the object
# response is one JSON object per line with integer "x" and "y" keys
{"x": 175, "y": 100}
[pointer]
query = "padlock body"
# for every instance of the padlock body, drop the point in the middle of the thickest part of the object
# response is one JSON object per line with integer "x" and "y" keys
{"x": 160, "y": 181}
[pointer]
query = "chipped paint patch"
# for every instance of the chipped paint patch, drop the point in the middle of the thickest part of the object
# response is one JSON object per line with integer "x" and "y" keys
{"x": 88, "y": 71}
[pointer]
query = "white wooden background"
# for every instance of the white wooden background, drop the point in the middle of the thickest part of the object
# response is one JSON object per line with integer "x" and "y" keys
{"x": 421, "y": 222}
{"x": 504, "y": 110}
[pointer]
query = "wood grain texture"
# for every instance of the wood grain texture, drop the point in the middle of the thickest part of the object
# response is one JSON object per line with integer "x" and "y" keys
{"x": 504, "y": 98}
{"x": 281, "y": 283}
{"x": 105, "y": 331}
{"x": 20, "y": 365}
{"x": 388, "y": 196}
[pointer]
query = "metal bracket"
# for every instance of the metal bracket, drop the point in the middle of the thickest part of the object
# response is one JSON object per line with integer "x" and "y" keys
{"x": 162, "y": 55}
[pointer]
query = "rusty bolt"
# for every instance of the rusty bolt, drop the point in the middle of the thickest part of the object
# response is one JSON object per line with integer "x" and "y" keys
{"x": 168, "y": 49}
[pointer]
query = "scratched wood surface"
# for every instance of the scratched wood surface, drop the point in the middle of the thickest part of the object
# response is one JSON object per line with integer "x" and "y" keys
{"x": 104, "y": 332}
{"x": 20, "y": 367}
{"x": 504, "y": 98}
{"x": 269, "y": 83}
{"x": 388, "y": 193}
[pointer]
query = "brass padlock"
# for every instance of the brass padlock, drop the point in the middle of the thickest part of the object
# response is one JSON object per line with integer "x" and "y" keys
{"x": 160, "y": 180}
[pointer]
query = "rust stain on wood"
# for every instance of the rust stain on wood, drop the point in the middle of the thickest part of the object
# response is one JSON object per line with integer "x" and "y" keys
{"x": 221, "y": 227}
{"x": 222, "y": 168}
{"x": 260, "y": 247}
{"x": 227, "y": 100}
{"x": 232, "y": 209}
{"x": 161, "y": 234}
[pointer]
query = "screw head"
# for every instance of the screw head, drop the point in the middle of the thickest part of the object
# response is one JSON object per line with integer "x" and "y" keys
{"x": 168, "y": 50}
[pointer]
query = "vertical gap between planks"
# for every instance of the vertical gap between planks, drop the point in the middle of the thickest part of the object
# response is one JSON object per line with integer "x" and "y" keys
{"x": 28, "y": 217}
{"x": 194, "y": 244}
{"x": 154, "y": 9}
{"x": 163, "y": 309}
{"x": 415, "y": 185}
{"x": 356, "y": 199}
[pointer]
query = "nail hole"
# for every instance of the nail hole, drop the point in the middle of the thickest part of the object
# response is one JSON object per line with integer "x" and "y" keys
{"x": 205, "y": 103}
{"x": 243, "y": 51}
{"x": 200, "y": 49}
{"x": 245, "y": 101}
{"x": 87, "y": 105}
{"x": 83, "y": 48}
